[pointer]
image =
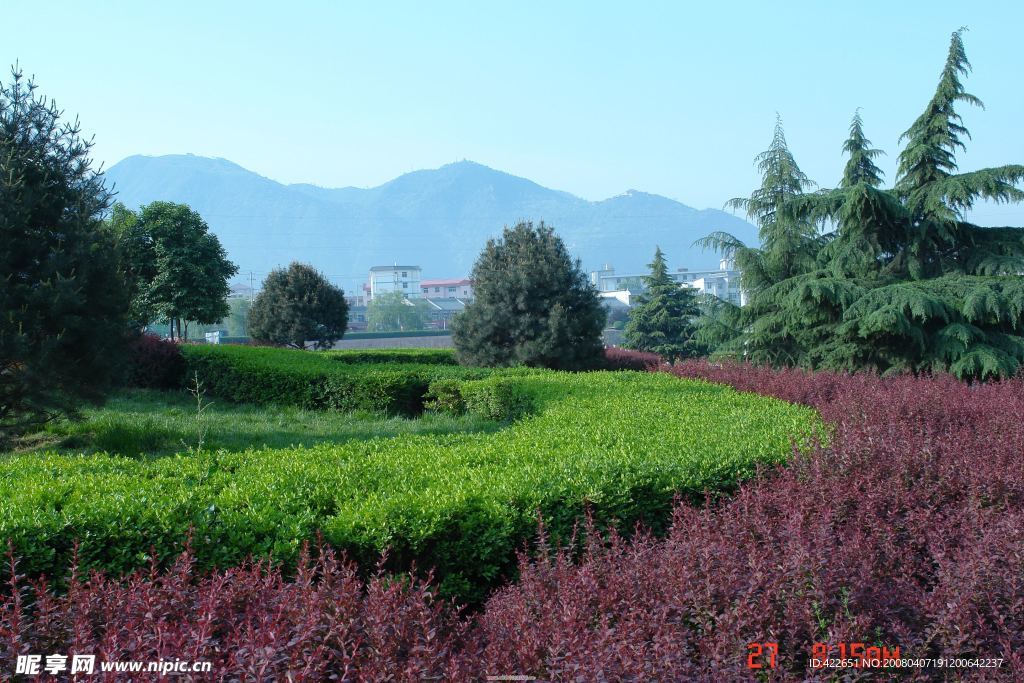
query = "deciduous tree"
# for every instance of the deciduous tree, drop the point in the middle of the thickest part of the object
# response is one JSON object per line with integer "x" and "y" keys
{"x": 392, "y": 312}
{"x": 177, "y": 269}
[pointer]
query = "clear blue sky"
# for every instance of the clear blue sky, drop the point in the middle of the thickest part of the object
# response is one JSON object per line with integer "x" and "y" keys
{"x": 589, "y": 97}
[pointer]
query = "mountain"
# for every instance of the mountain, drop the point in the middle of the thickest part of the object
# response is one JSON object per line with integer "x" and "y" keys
{"x": 439, "y": 219}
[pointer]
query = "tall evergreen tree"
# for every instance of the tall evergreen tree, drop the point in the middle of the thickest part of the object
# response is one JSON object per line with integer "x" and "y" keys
{"x": 662, "y": 320}
{"x": 788, "y": 248}
{"x": 62, "y": 303}
{"x": 936, "y": 196}
{"x": 534, "y": 305}
{"x": 903, "y": 281}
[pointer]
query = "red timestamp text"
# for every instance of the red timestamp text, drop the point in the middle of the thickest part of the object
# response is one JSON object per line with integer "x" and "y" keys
{"x": 762, "y": 655}
{"x": 856, "y": 655}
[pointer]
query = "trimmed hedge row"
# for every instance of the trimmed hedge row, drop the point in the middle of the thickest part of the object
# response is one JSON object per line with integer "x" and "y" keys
{"x": 425, "y": 356}
{"x": 622, "y": 444}
{"x": 318, "y": 381}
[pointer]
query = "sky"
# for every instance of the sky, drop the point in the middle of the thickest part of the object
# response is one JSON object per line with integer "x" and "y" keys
{"x": 594, "y": 98}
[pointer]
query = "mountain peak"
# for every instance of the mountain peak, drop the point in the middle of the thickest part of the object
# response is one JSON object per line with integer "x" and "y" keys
{"x": 438, "y": 218}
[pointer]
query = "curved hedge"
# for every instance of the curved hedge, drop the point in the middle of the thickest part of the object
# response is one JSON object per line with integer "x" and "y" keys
{"x": 338, "y": 380}
{"x": 622, "y": 444}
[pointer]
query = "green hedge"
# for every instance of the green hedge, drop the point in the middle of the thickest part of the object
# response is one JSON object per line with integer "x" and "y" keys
{"x": 423, "y": 356}
{"x": 622, "y": 443}
{"x": 398, "y": 335}
{"x": 265, "y": 375}
{"x": 498, "y": 398}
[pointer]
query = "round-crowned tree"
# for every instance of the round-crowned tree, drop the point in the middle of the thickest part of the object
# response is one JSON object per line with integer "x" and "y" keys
{"x": 298, "y": 305}
{"x": 63, "y": 307}
{"x": 533, "y": 306}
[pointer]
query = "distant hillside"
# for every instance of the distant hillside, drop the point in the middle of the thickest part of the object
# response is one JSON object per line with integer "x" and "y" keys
{"x": 439, "y": 219}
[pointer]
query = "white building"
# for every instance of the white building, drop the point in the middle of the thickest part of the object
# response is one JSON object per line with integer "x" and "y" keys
{"x": 404, "y": 279}
{"x": 457, "y": 288}
{"x": 723, "y": 283}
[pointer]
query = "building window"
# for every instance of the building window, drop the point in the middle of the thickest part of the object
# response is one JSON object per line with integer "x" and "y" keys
{"x": 451, "y": 289}
{"x": 405, "y": 274}
{"x": 437, "y": 289}
{"x": 405, "y": 285}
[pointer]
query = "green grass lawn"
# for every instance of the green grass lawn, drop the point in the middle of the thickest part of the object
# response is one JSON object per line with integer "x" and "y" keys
{"x": 146, "y": 423}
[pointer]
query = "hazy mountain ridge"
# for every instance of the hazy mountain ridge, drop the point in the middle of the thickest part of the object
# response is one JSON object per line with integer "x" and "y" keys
{"x": 439, "y": 219}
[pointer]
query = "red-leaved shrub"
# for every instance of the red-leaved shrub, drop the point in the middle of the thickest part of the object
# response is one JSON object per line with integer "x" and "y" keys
{"x": 906, "y": 530}
{"x": 249, "y": 622}
{"x": 155, "y": 363}
{"x": 625, "y": 359}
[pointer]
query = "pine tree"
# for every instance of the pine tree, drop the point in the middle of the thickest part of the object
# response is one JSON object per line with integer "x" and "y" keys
{"x": 534, "y": 305}
{"x": 63, "y": 308}
{"x": 662, "y": 320}
{"x": 902, "y": 282}
{"x": 936, "y": 196}
{"x": 788, "y": 248}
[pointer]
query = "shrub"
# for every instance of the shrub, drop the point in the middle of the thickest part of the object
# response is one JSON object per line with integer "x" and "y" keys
{"x": 154, "y": 363}
{"x": 623, "y": 443}
{"x": 421, "y": 356}
{"x": 496, "y": 398}
{"x": 445, "y": 396}
{"x": 903, "y": 532}
{"x": 249, "y": 622}
{"x": 317, "y": 381}
{"x": 625, "y": 359}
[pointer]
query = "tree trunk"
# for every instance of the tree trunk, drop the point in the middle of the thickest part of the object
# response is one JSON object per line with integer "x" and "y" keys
{"x": 178, "y": 320}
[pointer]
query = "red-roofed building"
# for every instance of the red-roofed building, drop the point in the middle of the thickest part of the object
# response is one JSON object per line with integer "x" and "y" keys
{"x": 450, "y": 288}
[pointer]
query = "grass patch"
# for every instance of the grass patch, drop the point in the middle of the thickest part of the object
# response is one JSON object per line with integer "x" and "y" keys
{"x": 150, "y": 423}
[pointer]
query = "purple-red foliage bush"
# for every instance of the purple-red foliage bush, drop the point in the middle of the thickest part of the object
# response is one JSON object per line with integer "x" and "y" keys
{"x": 625, "y": 359}
{"x": 248, "y": 622}
{"x": 155, "y": 363}
{"x": 906, "y": 530}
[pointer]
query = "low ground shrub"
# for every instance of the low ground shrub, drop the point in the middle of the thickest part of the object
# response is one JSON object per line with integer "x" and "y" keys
{"x": 626, "y": 359}
{"x": 905, "y": 532}
{"x": 498, "y": 398}
{"x": 155, "y": 363}
{"x": 622, "y": 444}
{"x": 249, "y": 623}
